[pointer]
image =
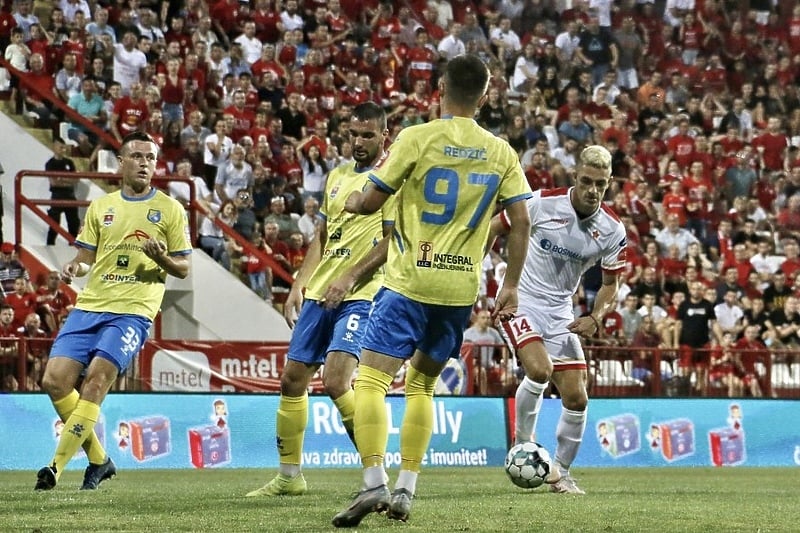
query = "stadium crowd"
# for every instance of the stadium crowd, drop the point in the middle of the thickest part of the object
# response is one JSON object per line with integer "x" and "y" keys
{"x": 697, "y": 100}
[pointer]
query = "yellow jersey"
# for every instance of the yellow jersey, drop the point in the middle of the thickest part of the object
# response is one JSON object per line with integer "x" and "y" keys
{"x": 123, "y": 279}
{"x": 452, "y": 173}
{"x": 350, "y": 236}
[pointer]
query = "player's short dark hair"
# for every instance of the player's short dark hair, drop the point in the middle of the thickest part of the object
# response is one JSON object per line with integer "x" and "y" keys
{"x": 136, "y": 136}
{"x": 466, "y": 79}
{"x": 370, "y": 111}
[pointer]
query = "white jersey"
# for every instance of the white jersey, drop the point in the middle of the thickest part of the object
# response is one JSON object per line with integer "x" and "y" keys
{"x": 563, "y": 247}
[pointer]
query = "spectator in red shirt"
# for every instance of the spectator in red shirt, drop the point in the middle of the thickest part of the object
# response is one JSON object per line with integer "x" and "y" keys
{"x": 53, "y": 303}
{"x": 258, "y": 272}
{"x": 741, "y": 263}
{"x": 383, "y": 24}
{"x": 22, "y": 301}
{"x": 297, "y": 250}
{"x": 421, "y": 59}
{"x": 722, "y": 368}
{"x": 675, "y": 202}
{"x": 537, "y": 174}
{"x": 748, "y": 351}
{"x": 680, "y": 147}
{"x": 244, "y": 119}
{"x": 789, "y": 218}
{"x": 698, "y": 190}
{"x": 9, "y": 349}
{"x": 40, "y": 79}
{"x": 225, "y": 15}
{"x": 38, "y": 344}
{"x": 130, "y": 113}
{"x": 279, "y": 251}
{"x": 791, "y": 264}
{"x": 772, "y": 145}
{"x": 267, "y": 19}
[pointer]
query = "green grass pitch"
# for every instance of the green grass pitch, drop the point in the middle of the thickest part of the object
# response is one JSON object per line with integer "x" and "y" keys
{"x": 448, "y": 500}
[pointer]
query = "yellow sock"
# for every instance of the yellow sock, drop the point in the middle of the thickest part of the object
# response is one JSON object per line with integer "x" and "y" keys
{"x": 371, "y": 425}
{"x": 94, "y": 450}
{"x": 77, "y": 428}
{"x": 415, "y": 432}
{"x": 346, "y": 404}
{"x": 291, "y": 428}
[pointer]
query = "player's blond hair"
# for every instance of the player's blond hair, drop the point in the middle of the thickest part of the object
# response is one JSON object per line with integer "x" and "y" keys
{"x": 597, "y": 157}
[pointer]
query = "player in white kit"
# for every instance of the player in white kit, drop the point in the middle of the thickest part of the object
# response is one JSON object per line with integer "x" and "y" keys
{"x": 571, "y": 229}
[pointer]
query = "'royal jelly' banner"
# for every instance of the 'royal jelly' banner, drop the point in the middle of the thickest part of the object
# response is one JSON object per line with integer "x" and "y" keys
{"x": 159, "y": 430}
{"x": 238, "y": 430}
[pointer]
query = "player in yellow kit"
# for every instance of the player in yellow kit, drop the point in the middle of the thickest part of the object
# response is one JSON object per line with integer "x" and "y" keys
{"x": 451, "y": 173}
{"x": 340, "y": 277}
{"x": 132, "y": 239}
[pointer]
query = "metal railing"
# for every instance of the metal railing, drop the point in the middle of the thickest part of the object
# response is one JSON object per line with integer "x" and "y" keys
{"x": 616, "y": 371}
{"x": 193, "y": 207}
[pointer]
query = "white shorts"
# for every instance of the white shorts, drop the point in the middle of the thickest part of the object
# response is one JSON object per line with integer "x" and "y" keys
{"x": 548, "y": 323}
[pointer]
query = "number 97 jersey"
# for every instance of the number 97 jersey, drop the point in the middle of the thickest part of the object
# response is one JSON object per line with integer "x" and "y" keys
{"x": 449, "y": 175}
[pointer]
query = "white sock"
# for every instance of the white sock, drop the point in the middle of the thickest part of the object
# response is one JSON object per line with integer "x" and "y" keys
{"x": 527, "y": 401}
{"x": 373, "y": 477}
{"x": 288, "y": 470}
{"x": 407, "y": 480}
{"x": 569, "y": 433}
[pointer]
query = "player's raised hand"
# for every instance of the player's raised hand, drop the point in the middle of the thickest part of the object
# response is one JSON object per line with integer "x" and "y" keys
{"x": 353, "y": 202}
{"x": 291, "y": 308}
{"x": 505, "y": 304}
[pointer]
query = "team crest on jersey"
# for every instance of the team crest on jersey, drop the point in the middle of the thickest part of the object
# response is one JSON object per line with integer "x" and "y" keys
{"x": 108, "y": 219}
{"x": 334, "y": 191}
{"x": 424, "y": 254}
{"x": 595, "y": 234}
{"x": 154, "y": 215}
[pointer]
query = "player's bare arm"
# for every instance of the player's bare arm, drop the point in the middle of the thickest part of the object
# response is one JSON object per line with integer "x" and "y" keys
{"x": 294, "y": 301}
{"x": 496, "y": 229}
{"x": 517, "y": 249}
{"x": 605, "y": 301}
{"x": 79, "y": 266}
{"x": 369, "y": 201}
{"x": 362, "y": 270}
{"x": 177, "y": 266}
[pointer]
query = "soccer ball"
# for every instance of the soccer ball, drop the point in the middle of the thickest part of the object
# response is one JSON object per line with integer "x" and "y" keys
{"x": 528, "y": 464}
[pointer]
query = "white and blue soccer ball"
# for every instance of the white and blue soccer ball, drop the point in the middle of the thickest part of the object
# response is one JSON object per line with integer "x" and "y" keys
{"x": 528, "y": 464}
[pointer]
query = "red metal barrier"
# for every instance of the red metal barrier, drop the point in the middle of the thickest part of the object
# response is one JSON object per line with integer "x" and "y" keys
{"x": 194, "y": 209}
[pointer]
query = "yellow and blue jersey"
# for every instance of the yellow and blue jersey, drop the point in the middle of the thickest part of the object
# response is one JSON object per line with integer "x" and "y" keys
{"x": 350, "y": 236}
{"x": 123, "y": 279}
{"x": 452, "y": 173}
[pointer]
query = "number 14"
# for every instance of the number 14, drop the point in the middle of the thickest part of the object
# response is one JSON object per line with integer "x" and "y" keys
{"x": 449, "y": 197}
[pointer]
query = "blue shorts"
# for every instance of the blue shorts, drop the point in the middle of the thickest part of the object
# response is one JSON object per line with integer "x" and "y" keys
{"x": 319, "y": 331}
{"x": 86, "y": 334}
{"x": 398, "y": 326}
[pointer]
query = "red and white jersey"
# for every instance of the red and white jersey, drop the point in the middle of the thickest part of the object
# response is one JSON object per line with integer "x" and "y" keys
{"x": 563, "y": 247}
